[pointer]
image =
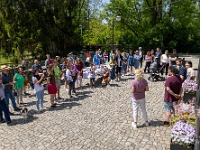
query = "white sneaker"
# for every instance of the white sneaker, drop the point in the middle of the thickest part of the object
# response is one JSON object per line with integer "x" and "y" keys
{"x": 67, "y": 90}
{"x": 123, "y": 75}
{"x": 147, "y": 124}
{"x": 134, "y": 125}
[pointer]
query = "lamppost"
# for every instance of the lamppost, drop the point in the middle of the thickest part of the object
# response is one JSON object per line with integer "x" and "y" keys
{"x": 118, "y": 18}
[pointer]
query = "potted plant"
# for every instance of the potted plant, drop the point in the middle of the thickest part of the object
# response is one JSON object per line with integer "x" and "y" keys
{"x": 183, "y": 122}
{"x": 184, "y": 112}
{"x": 183, "y": 136}
{"x": 189, "y": 87}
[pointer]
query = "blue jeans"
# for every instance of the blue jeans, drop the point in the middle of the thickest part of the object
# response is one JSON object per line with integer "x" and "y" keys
{"x": 112, "y": 73}
{"x": 10, "y": 96}
{"x": 4, "y": 108}
{"x": 40, "y": 99}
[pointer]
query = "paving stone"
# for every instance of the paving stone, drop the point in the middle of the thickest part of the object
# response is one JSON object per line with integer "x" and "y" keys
{"x": 97, "y": 119}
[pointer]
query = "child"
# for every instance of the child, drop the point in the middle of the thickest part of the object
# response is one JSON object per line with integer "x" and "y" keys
{"x": 106, "y": 77}
{"x": 92, "y": 75}
{"x": 70, "y": 79}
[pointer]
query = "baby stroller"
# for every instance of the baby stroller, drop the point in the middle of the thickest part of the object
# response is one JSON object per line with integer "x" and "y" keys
{"x": 155, "y": 70}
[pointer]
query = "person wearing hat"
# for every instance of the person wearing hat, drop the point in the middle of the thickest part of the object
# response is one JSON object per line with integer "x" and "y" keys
{"x": 8, "y": 88}
{"x": 48, "y": 61}
{"x": 71, "y": 57}
{"x": 3, "y": 106}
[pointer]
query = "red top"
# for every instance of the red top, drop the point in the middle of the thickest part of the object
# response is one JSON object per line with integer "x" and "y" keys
{"x": 87, "y": 55}
{"x": 80, "y": 68}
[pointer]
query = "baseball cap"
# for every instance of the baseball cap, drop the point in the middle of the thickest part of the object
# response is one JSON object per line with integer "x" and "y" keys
{"x": 71, "y": 53}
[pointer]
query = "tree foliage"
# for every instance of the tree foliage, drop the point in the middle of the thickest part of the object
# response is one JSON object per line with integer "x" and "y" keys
{"x": 44, "y": 26}
{"x": 163, "y": 23}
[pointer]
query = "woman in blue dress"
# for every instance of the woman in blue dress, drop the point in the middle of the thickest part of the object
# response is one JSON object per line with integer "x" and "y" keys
{"x": 130, "y": 62}
{"x": 136, "y": 59}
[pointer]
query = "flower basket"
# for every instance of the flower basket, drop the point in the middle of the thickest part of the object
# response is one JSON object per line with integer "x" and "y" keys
{"x": 183, "y": 136}
{"x": 188, "y": 96}
{"x": 180, "y": 147}
{"x": 190, "y": 88}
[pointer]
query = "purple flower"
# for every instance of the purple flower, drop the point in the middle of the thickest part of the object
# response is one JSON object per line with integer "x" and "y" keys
{"x": 182, "y": 132}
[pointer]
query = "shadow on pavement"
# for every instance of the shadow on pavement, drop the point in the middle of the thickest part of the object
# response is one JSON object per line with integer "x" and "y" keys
{"x": 63, "y": 105}
{"x": 22, "y": 120}
{"x": 152, "y": 123}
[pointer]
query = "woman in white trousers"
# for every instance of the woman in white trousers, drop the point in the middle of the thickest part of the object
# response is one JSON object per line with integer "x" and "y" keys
{"x": 138, "y": 88}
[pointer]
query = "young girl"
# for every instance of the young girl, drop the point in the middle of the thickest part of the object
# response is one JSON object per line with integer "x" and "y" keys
{"x": 51, "y": 81}
{"x": 92, "y": 76}
{"x": 124, "y": 63}
{"x": 113, "y": 64}
{"x": 148, "y": 59}
{"x": 106, "y": 77}
{"x": 70, "y": 79}
{"x": 19, "y": 79}
{"x": 57, "y": 76}
{"x": 79, "y": 66}
{"x": 38, "y": 89}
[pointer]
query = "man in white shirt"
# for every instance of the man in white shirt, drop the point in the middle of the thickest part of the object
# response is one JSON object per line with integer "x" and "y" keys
{"x": 165, "y": 62}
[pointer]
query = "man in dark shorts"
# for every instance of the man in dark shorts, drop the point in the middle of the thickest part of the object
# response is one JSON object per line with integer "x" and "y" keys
{"x": 173, "y": 57}
{"x": 119, "y": 64}
{"x": 173, "y": 90}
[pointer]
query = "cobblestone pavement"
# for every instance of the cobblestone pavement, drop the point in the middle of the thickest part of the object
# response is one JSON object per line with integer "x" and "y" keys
{"x": 97, "y": 119}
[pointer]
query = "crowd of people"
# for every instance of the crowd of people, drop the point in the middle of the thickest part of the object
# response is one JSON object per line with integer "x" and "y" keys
{"x": 71, "y": 69}
{"x": 177, "y": 72}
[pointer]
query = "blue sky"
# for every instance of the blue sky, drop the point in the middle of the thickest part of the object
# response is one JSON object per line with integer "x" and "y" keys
{"x": 105, "y": 1}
